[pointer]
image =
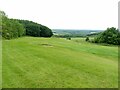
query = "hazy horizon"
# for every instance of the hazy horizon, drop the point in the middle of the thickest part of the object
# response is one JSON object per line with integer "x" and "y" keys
{"x": 78, "y": 29}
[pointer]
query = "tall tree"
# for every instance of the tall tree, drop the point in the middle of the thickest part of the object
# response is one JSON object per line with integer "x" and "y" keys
{"x": 11, "y": 28}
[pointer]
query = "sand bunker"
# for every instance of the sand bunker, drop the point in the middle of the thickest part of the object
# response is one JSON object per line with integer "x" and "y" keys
{"x": 47, "y": 45}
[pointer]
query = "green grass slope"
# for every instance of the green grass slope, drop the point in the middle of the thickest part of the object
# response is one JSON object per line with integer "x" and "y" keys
{"x": 0, "y": 63}
{"x": 32, "y": 62}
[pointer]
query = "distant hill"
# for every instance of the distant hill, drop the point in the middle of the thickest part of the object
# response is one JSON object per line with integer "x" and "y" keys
{"x": 74, "y": 32}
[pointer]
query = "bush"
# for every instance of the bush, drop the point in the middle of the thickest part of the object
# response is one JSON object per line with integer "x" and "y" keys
{"x": 68, "y": 38}
{"x": 87, "y": 39}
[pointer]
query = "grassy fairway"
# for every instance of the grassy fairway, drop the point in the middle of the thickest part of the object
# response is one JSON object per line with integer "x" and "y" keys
{"x": 0, "y": 63}
{"x": 31, "y": 62}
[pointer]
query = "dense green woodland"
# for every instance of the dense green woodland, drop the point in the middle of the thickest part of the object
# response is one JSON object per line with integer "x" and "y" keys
{"x": 35, "y": 29}
{"x": 14, "y": 28}
{"x": 109, "y": 36}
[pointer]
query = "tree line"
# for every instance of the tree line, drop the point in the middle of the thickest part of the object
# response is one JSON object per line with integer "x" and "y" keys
{"x": 35, "y": 29}
{"x": 109, "y": 36}
{"x": 14, "y": 28}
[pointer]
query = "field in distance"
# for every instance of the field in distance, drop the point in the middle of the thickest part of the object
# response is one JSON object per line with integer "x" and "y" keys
{"x": 32, "y": 62}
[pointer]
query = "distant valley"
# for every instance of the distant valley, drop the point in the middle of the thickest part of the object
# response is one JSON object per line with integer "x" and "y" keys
{"x": 74, "y": 32}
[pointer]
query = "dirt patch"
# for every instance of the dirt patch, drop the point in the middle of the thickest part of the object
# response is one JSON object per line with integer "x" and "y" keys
{"x": 47, "y": 45}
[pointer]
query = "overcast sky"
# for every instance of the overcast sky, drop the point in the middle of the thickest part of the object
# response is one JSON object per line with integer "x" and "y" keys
{"x": 65, "y": 14}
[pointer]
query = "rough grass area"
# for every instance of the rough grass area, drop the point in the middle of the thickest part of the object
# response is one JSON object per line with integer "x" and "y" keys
{"x": 32, "y": 62}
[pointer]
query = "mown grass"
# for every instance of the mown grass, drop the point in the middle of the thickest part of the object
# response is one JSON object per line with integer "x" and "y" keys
{"x": 0, "y": 63}
{"x": 32, "y": 62}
